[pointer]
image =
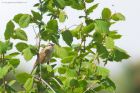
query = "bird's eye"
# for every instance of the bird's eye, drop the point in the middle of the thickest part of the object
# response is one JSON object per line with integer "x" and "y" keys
{"x": 50, "y": 44}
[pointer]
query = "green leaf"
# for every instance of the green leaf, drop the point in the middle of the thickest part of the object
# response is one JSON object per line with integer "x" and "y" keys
{"x": 60, "y": 50}
{"x": 89, "y": 21}
{"x": 76, "y": 32}
{"x": 27, "y": 53}
{"x": 12, "y": 82}
{"x": 109, "y": 42}
{"x": 14, "y": 62}
{"x": 53, "y": 26}
{"x": 45, "y": 35}
{"x": 97, "y": 37}
{"x": 119, "y": 54}
{"x": 77, "y": 4}
{"x": 17, "y": 18}
{"x": 91, "y": 9}
{"x": 86, "y": 66}
{"x": 28, "y": 84}
{"x": 87, "y": 29}
{"x": 67, "y": 37}
{"x": 34, "y": 49}
{"x": 61, "y": 3}
{"x": 62, "y": 16}
{"x": 4, "y": 71}
{"x": 118, "y": 17}
{"x": 71, "y": 73}
{"x": 74, "y": 83}
{"x": 1, "y": 74}
{"x": 50, "y": 35}
{"x": 53, "y": 60}
{"x": 101, "y": 71}
{"x": 78, "y": 90}
{"x": 106, "y": 13}
{"x": 20, "y": 34}
{"x": 114, "y": 35}
{"x": 67, "y": 59}
{"x": 49, "y": 68}
{"x": 89, "y": 1}
{"x": 62, "y": 70}
{"x": 3, "y": 49}
{"x": 83, "y": 83}
{"x": 102, "y": 26}
{"x": 24, "y": 20}
{"x": 102, "y": 51}
{"x": 22, "y": 77}
{"x": 9, "y": 30}
{"x": 21, "y": 46}
{"x": 8, "y": 45}
{"x": 14, "y": 54}
{"x": 111, "y": 85}
{"x": 5, "y": 46}
{"x": 50, "y": 6}
{"x": 55, "y": 38}
{"x": 36, "y": 15}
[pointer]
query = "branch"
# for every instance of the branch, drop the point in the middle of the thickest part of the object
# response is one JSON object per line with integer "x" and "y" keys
{"x": 57, "y": 82}
{"x": 44, "y": 82}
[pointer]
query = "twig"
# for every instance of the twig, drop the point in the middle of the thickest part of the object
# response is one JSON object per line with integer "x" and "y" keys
{"x": 34, "y": 31}
{"x": 4, "y": 84}
{"x": 72, "y": 26}
{"x": 95, "y": 57}
{"x": 39, "y": 43}
{"x": 57, "y": 82}
{"x": 44, "y": 82}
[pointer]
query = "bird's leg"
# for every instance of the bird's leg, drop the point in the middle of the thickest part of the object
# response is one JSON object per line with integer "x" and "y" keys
{"x": 48, "y": 62}
{"x": 40, "y": 70}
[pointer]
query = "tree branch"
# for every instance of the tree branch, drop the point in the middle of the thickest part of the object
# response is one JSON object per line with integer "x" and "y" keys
{"x": 44, "y": 82}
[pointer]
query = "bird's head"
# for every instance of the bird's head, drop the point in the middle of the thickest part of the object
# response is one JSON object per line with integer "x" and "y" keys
{"x": 51, "y": 44}
{"x": 49, "y": 47}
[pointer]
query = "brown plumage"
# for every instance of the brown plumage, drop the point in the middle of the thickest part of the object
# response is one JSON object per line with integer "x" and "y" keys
{"x": 44, "y": 55}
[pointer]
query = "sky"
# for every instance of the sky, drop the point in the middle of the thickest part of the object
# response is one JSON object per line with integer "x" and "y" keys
{"x": 129, "y": 28}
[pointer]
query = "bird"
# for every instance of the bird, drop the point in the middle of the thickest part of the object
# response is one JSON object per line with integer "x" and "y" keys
{"x": 44, "y": 56}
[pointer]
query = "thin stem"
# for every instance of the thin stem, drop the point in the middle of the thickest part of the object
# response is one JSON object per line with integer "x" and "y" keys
{"x": 57, "y": 82}
{"x": 85, "y": 10}
{"x": 44, "y": 82}
{"x": 79, "y": 50}
{"x": 36, "y": 36}
{"x": 39, "y": 26}
{"x": 72, "y": 26}
{"x": 4, "y": 84}
{"x": 41, "y": 7}
{"x": 81, "y": 59}
{"x": 95, "y": 57}
{"x": 2, "y": 55}
{"x": 39, "y": 37}
{"x": 35, "y": 32}
{"x": 80, "y": 67}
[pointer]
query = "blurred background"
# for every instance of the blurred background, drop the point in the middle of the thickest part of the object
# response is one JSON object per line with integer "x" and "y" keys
{"x": 126, "y": 74}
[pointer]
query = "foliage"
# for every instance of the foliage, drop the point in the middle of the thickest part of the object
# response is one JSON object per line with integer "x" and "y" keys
{"x": 79, "y": 70}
